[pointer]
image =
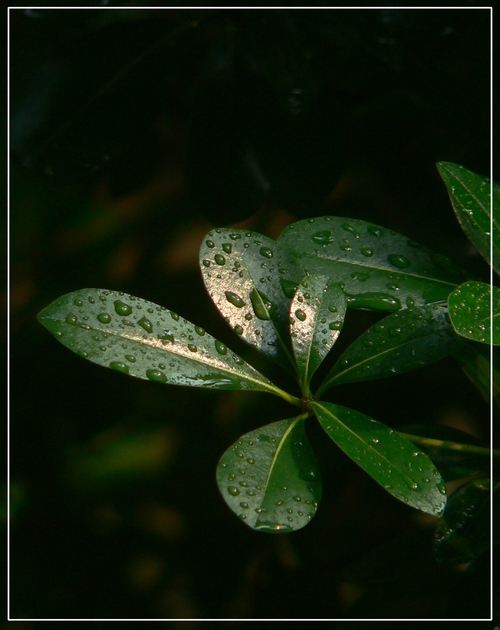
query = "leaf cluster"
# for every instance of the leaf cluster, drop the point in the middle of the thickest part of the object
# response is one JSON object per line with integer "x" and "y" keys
{"x": 289, "y": 299}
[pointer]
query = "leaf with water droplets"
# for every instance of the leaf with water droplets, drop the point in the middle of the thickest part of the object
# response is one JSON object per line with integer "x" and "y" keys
{"x": 377, "y": 268}
{"x": 463, "y": 533}
{"x": 248, "y": 276}
{"x": 142, "y": 339}
{"x": 394, "y": 463}
{"x": 316, "y": 316}
{"x": 409, "y": 339}
{"x": 470, "y": 195}
{"x": 470, "y": 312}
{"x": 270, "y": 477}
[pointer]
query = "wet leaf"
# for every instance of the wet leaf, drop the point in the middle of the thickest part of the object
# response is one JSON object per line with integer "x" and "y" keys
{"x": 251, "y": 280}
{"x": 449, "y": 449}
{"x": 377, "y": 268}
{"x": 463, "y": 533}
{"x": 270, "y": 477}
{"x": 470, "y": 312}
{"x": 470, "y": 196}
{"x": 401, "y": 342}
{"x": 142, "y": 339}
{"x": 316, "y": 316}
{"x": 395, "y": 463}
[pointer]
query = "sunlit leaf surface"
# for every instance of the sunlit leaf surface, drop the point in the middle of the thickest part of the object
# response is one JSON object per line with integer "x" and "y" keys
{"x": 377, "y": 268}
{"x": 251, "y": 279}
{"x": 470, "y": 312}
{"x": 316, "y": 316}
{"x": 395, "y": 463}
{"x": 142, "y": 339}
{"x": 270, "y": 477}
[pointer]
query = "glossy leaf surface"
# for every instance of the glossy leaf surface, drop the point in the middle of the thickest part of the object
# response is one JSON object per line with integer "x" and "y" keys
{"x": 470, "y": 313}
{"x": 317, "y": 313}
{"x": 376, "y": 267}
{"x": 395, "y": 463}
{"x": 449, "y": 449}
{"x": 270, "y": 477}
{"x": 464, "y": 530}
{"x": 142, "y": 339}
{"x": 470, "y": 196}
{"x": 251, "y": 279}
{"x": 401, "y": 342}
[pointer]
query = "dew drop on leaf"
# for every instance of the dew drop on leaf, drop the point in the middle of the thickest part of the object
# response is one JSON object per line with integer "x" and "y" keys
{"x": 367, "y": 251}
{"x": 104, "y": 318}
{"x": 146, "y": 324}
{"x": 266, "y": 252}
{"x": 219, "y": 259}
{"x": 227, "y": 247}
{"x": 156, "y": 375}
{"x": 398, "y": 261}
{"x": 299, "y": 314}
{"x": 220, "y": 347}
{"x": 119, "y": 367}
{"x": 233, "y": 490}
{"x": 234, "y": 299}
{"x": 121, "y": 308}
{"x": 71, "y": 319}
{"x": 322, "y": 238}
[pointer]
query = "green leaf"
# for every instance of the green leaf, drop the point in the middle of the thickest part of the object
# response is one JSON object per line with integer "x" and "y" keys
{"x": 376, "y": 267}
{"x": 251, "y": 279}
{"x": 394, "y": 463}
{"x": 470, "y": 196}
{"x": 463, "y": 533}
{"x": 317, "y": 313}
{"x": 455, "y": 454}
{"x": 401, "y": 342}
{"x": 474, "y": 359}
{"x": 142, "y": 339}
{"x": 470, "y": 313}
{"x": 270, "y": 477}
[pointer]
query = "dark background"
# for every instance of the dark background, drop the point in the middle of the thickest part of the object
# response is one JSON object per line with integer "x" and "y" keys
{"x": 132, "y": 133}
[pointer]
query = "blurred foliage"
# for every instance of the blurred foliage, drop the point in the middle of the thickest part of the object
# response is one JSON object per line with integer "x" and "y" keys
{"x": 132, "y": 133}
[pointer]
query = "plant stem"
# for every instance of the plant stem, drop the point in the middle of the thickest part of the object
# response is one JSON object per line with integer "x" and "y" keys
{"x": 451, "y": 446}
{"x": 293, "y": 400}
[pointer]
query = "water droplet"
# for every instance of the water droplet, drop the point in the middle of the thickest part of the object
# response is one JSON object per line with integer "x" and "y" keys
{"x": 297, "y": 498}
{"x": 219, "y": 259}
{"x": 192, "y": 347}
{"x": 375, "y": 440}
{"x": 375, "y": 231}
{"x": 210, "y": 244}
{"x": 220, "y": 347}
{"x": 174, "y": 316}
{"x": 244, "y": 505}
{"x": 367, "y": 251}
{"x": 91, "y": 299}
{"x": 235, "y": 299}
{"x": 104, "y": 318}
{"x": 233, "y": 490}
{"x": 199, "y": 331}
{"x": 119, "y": 367}
{"x": 130, "y": 357}
{"x": 414, "y": 486}
{"x": 398, "y": 261}
{"x": 323, "y": 238}
{"x": 262, "y": 306}
{"x": 78, "y": 303}
{"x": 299, "y": 314}
{"x": 250, "y": 460}
{"x": 227, "y": 247}
{"x": 146, "y": 324}
{"x": 266, "y": 252}
{"x": 206, "y": 263}
{"x": 156, "y": 375}
{"x": 238, "y": 330}
{"x": 71, "y": 319}
{"x": 121, "y": 308}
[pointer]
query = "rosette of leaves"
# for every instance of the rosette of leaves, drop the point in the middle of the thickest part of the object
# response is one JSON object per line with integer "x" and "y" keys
{"x": 278, "y": 297}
